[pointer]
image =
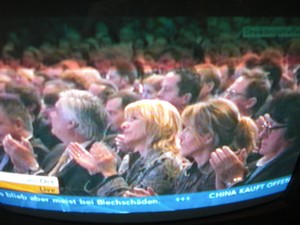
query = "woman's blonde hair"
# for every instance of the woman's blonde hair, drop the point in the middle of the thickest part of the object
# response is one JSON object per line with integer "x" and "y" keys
{"x": 221, "y": 118}
{"x": 163, "y": 122}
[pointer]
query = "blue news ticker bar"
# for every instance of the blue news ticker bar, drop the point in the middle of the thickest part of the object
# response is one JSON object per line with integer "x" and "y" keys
{"x": 143, "y": 204}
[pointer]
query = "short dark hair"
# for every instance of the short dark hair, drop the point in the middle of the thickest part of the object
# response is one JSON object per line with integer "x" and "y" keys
{"x": 189, "y": 82}
{"x": 274, "y": 75}
{"x": 285, "y": 109}
{"x": 126, "y": 97}
{"x": 28, "y": 95}
{"x": 259, "y": 87}
{"x": 210, "y": 73}
{"x": 14, "y": 108}
{"x": 126, "y": 68}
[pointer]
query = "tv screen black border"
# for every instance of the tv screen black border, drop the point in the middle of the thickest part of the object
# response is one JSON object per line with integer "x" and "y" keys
{"x": 285, "y": 203}
{"x": 266, "y": 210}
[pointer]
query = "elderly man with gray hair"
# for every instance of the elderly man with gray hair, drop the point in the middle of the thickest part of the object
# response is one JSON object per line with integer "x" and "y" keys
{"x": 78, "y": 116}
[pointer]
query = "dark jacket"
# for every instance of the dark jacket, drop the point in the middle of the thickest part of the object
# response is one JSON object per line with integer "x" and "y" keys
{"x": 282, "y": 165}
{"x": 40, "y": 150}
{"x": 157, "y": 170}
{"x": 195, "y": 179}
{"x": 72, "y": 178}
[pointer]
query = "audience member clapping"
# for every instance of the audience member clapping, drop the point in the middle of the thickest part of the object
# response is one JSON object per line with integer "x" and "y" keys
{"x": 150, "y": 132}
{"x": 279, "y": 146}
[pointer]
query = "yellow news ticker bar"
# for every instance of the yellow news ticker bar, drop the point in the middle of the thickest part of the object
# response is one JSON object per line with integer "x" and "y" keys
{"x": 29, "y": 188}
{"x": 29, "y": 183}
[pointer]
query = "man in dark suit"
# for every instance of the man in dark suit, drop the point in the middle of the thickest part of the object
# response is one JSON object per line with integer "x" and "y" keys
{"x": 16, "y": 136}
{"x": 250, "y": 93}
{"x": 79, "y": 117}
{"x": 280, "y": 141}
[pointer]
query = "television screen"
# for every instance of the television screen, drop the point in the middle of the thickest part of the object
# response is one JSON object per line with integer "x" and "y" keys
{"x": 141, "y": 118}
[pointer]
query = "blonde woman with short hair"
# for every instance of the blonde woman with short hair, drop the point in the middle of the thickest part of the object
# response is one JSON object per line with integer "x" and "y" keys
{"x": 150, "y": 131}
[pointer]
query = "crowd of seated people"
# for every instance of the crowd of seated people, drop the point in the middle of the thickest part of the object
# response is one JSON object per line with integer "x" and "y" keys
{"x": 147, "y": 108}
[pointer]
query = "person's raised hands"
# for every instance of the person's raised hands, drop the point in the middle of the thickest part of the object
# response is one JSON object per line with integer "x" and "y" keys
{"x": 229, "y": 167}
{"x": 139, "y": 192}
{"x": 21, "y": 154}
{"x": 100, "y": 159}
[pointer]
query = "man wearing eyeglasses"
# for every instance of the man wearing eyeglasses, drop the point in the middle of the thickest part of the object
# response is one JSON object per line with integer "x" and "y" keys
{"x": 249, "y": 92}
{"x": 279, "y": 148}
